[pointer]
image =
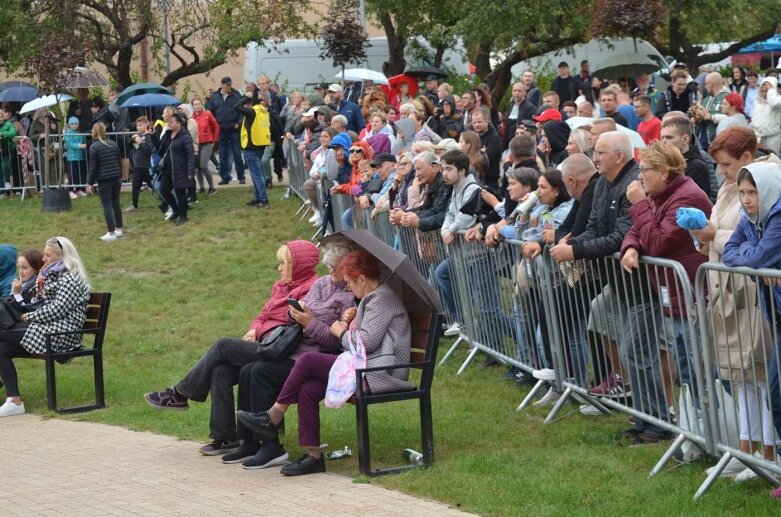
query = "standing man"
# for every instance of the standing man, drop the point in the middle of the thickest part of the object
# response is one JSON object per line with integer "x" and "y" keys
{"x": 255, "y": 137}
{"x": 644, "y": 87}
{"x": 222, "y": 105}
{"x": 679, "y": 96}
{"x": 565, "y": 85}
{"x": 489, "y": 140}
{"x": 520, "y": 109}
{"x": 81, "y": 108}
{"x": 710, "y": 113}
{"x": 432, "y": 85}
{"x": 533, "y": 94}
{"x": 584, "y": 80}
{"x": 649, "y": 127}
{"x": 349, "y": 109}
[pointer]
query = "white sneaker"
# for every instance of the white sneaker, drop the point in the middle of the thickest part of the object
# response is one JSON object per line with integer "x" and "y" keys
{"x": 11, "y": 409}
{"x": 315, "y": 217}
{"x": 109, "y": 237}
{"x": 72, "y": 195}
{"x": 81, "y": 193}
{"x": 452, "y": 330}
{"x": 168, "y": 214}
{"x": 589, "y": 410}
{"x": 548, "y": 399}
{"x": 546, "y": 374}
{"x": 733, "y": 468}
{"x": 318, "y": 222}
{"x": 118, "y": 232}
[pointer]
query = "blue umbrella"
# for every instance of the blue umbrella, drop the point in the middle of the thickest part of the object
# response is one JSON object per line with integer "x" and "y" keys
{"x": 772, "y": 44}
{"x": 18, "y": 94}
{"x": 141, "y": 88}
{"x": 9, "y": 84}
{"x": 151, "y": 100}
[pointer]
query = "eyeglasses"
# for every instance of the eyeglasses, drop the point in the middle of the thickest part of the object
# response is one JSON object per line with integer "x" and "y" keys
{"x": 404, "y": 164}
{"x": 643, "y": 170}
{"x": 600, "y": 153}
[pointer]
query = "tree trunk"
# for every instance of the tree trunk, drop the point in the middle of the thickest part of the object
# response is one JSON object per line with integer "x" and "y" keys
{"x": 396, "y": 44}
{"x": 482, "y": 60}
{"x": 439, "y": 55}
{"x": 124, "y": 60}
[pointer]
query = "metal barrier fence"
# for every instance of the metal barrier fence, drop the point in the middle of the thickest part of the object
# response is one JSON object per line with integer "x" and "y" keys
{"x": 297, "y": 174}
{"x": 739, "y": 320}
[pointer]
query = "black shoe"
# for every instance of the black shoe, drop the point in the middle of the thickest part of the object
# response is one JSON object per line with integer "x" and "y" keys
{"x": 269, "y": 184}
{"x": 524, "y": 379}
{"x": 632, "y": 433}
{"x": 262, "y": 204}
{"x": 163, "y": 207}
{"x": 253, "y": 202}
{"x": 218, "y": 447}
{"x": 260, "y": 423}
{"x": 202, "y": 190}
{"x": 181, "y": 221}
{"x": 306, "y": 465}
{"x": 269, "y": 455}
{"x": 242, "y": 181}
{"x": 279, "y": 177}
{"x": 173, "y": 217}
{"x": 212, "y": 191}
{"x": 223, "y": 182}
{"x": 244, "y": 452}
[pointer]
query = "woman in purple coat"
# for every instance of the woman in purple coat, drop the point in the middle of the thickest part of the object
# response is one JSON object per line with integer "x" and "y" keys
{"x": 261, "y": 382}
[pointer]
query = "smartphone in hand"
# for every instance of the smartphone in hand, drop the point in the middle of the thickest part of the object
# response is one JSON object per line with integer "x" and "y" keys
{"x": 294, "y": 303}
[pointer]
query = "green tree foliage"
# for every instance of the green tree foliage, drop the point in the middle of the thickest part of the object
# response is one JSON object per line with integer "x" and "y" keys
{"x": 342, "y": 39}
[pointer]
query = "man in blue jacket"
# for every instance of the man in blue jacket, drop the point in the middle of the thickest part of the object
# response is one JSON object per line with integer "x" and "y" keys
{"x": 347, "y": 108}
{"x": 222, "y": 107}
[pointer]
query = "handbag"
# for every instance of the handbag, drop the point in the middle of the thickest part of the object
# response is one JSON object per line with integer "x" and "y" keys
{"x": 9, "y": 314}
{"x": 280, "y": 342}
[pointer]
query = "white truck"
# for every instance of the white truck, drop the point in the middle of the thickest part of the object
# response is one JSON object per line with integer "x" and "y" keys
{"x": 295, "y": 64}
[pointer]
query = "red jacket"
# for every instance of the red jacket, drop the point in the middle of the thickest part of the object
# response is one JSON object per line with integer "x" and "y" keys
{"x": 274, "y": 313}
{"x": 355, "y": 179}
{"x": 208, "y": 128}
{"x": 654, "y": 233}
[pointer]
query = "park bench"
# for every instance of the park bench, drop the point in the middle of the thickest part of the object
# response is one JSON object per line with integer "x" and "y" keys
{"x": 426, "y": 329}
{"x": 95, "y": 324}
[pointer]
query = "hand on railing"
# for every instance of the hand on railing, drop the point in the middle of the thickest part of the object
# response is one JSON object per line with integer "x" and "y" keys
{"x": 473, "y": 234}
{"x": 531, "y": 249}
{"x": 448, "y": 238}
{"x": 493, "y": 235}
{"x": 630, "y": 260}
{"x": 562, "y": 253}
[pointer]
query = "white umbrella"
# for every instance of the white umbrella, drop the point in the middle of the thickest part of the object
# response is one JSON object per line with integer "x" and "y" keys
{"x": 363, "y": 74}
{"x": 634, "y": 136}
{"x": 45, "y": 102}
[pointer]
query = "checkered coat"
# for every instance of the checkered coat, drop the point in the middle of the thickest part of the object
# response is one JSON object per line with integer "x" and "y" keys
{"x": 65, "y": 308}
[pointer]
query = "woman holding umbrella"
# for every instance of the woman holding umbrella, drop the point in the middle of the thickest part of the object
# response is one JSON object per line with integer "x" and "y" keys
{"x": 380, "y": 325}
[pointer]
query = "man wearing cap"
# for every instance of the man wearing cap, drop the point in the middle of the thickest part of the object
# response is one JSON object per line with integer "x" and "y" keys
{"x": 222, "y": 105}
{"x": 349, "y": 109}
{"x": 385, "y": 163}
{"x": 490, "y": 141}
{"x": 546, "y": 116}
{"x": 322, "y": 90}
{"x": 432, "y": 84}
{"x": 520, "y": 109}
{"x": 565, "y": 85}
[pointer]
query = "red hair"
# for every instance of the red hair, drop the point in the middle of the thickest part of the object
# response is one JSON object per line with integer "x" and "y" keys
{"x": 360, "y": 262}
{"x": 735, "y": 100}
{"x": 734, "y": 141}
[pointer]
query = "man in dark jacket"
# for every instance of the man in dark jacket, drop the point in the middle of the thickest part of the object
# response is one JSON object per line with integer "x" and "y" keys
{"x": 221, "y": 105}
{"x": 679, "y": 96}
{"x": 490, "y": 141}
{"x": 80, "y": 108}
{"x": 677, "y": 131}
{"x": 565, "y": 85}
{"x": 431, "y": 214}
{"x": 349, "y": 109}
{"x": 520, "y": 109}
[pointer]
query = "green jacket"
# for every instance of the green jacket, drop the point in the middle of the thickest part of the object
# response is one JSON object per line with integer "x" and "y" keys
{"x": 712, "y": 103}
{"x": 7, "y": 134}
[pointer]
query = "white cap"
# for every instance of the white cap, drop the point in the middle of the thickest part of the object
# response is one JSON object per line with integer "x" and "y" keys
{"x": 334, "y": 88}
{"x": 311, "y": 112}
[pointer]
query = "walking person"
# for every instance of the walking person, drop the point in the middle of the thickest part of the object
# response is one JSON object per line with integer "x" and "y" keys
{"x": 221, "y": 104}
{"x": 177, "y": 167}
{"x": 142, "y": 159}
{"x": 105, "y": 170}
{"x": 208, "y": 134}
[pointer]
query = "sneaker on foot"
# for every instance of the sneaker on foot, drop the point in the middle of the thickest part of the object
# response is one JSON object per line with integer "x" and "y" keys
{"x": 212, "y": 191}
{"x": 167, "y": 399}
{"x": 259, "y": 422}
{"x": 223, "y": 182}
{"x": 306, "y": 465}
{"x": 118, "y": 232}
{"x": 315, "y": 217}
{"x": 733, "y": 468}
{"x": 269, "y": 455}
{"x": 131, "y": 208}
{"x": 452, "y": 330}
{"x": 11, "y": 409}
{"x": 242, "y": 453}
{"x": 73, "y": 195}
{"x": 546, "y": 374}
{"x": 109, "y": 237}
{"x": 181, "y": 221}
{"x": 603, "y": 388}
{"x": 262, "y": 204}
{"x": 548, "y": 399}
{"x": 218, "y": 447}
{"x": 81, "y": 193}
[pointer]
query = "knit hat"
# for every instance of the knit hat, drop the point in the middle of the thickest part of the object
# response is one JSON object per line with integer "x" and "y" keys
{"x": 73, "y": 120}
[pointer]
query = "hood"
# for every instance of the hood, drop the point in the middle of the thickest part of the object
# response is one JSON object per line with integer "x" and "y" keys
{"x": 767, "y": 176}
{"x": 772, "y": 80}
{"x": 188, "y": 110}
{"x": 305, "y": 258}
{"x": 315, "y": 99}
{"x": 450, "y": 100}
{"x": 557, "y": 133}
{"x": 342, "y": 140}
{"x": 7, "y": 261}
{"x": 367, "y": 148}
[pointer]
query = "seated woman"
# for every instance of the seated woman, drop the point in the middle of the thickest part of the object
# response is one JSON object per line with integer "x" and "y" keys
{"x": 25, "y": 288}
{"x": 381, "y": 322}
{"x": 63, "y": 285}
{"x": 218, "y": 369}
{"x": 261, "y": 381}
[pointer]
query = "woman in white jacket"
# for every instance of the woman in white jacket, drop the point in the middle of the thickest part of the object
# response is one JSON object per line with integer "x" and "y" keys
{"x": 766, "y": 115}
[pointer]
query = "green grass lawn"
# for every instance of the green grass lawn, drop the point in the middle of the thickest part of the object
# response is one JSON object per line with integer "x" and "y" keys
{"x": 176, "y": 289}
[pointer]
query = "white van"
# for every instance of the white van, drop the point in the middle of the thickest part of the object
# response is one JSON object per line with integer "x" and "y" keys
{"x": 296, "y": 63}
{"x": 596, "y": 52}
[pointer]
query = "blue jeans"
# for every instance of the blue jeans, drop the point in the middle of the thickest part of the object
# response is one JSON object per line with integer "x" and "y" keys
{"x": 485, "y": 290}
{"x": 253, "y": 157}
{"x": 265, "y": 162}
{"x": 230, "y": 151}
{"x": 442, "y": 277}
{"x": 347, "y": 215}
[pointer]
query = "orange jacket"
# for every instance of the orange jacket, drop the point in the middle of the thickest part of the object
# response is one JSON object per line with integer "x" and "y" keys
{"x": 355, "y": 179}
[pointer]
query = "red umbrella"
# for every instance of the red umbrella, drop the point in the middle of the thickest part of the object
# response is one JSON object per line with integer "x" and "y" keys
{"x": 392, "y": 90}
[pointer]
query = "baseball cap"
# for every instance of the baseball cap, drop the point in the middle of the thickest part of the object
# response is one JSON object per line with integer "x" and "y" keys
{"x": 334, "y": 88}
{"x": 321, "y": 86}
{"x": 226, "y": 80}
{"x": 529, "y": 124}
{"x": 681, "y": 66}
{"x": 548, "y": 114}
{"x": 563, "y": 63}
{"x": 311, "y": 112}
{"x": 383, "y": 158}
{"x": 447, "y": 144}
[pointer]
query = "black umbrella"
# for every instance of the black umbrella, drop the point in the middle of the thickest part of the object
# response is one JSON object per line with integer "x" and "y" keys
{"x": 417, "y": 293}
{"x": 421, "y": 72}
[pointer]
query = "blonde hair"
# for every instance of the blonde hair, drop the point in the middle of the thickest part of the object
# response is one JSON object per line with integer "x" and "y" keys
{"x": 582, "y": 139}
{"x": 283, "y": 254}
{"x": 99, "y": 132}
{"x": 447, "y": 88}
{"x": 421, "y": 146}
{"x": 70, "y": 257}
{"x": 664, "y": 158}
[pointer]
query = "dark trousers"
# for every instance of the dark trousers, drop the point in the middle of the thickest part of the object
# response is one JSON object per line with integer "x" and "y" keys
{"x": 175, "y": 198}
{"x": 230, "y": 152}
{"x": 217, "y": 372}
{"x": 109, "y": 198}
{"x": 259, "y": 386}
{"x": 10, "y": 348}
{"x": 76, "y": 174}
{"x": 140, "y": 175}
{"x": 306, "y": 387}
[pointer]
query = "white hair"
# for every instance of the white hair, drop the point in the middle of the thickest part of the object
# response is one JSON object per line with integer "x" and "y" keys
{"x": 406, "y": 108}
{"x": 334, "y": 253}
{"x": 619, "y": 142}
{"x": 341, "y": 119}
{"x": 70, "y": 257}
{"x": 426, "y": 156}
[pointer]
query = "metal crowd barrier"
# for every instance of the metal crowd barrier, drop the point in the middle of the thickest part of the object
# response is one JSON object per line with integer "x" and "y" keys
{"x": 297, "y": 175}
{"x": 739, "y": 321}
{"x": 379, "y": 224}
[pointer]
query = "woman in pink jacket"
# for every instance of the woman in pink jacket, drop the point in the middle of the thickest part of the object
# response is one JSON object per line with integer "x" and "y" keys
{"x": 217, "y": 371}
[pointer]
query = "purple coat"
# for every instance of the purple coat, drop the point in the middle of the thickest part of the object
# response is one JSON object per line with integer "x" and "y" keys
{"x": 327, "y": 301}
{"x": 380, "y": 143}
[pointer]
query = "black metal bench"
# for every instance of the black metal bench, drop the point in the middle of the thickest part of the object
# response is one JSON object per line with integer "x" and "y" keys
{"x": 426, "y": 330}
{"x": 95, "y": 324}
